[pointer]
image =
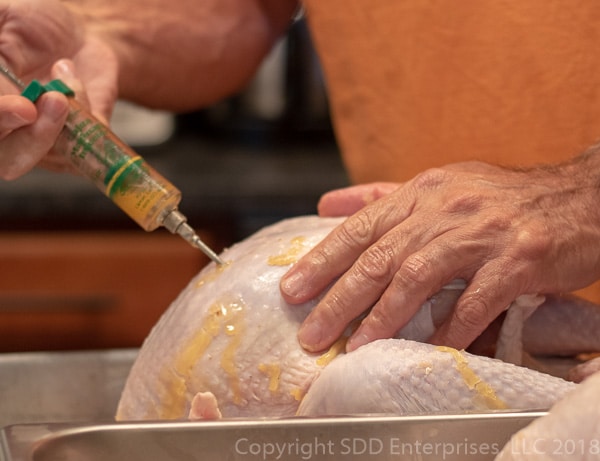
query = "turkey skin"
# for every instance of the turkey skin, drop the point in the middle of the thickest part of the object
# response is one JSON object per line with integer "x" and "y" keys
{"x": 227, "y": 347}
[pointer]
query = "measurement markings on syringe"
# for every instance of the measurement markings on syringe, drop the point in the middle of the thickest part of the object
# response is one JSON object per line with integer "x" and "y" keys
{"x": 85, "y": 140}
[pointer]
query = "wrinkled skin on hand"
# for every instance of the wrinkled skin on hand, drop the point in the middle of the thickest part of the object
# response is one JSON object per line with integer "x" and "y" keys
{"x": 43, "y": 39}
{"x": 505, "y": 232}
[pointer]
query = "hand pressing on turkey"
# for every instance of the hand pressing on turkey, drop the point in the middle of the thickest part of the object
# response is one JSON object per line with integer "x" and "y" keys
{"x": 505, "y": 232}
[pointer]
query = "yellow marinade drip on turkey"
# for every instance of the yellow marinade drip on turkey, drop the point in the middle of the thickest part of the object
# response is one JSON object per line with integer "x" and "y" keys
{"x": 212, "y": 275}
{"x": 484, "y": 391}
{"x": 336, "y": 349}
{"x": 323, "y": 360}
{"x": 273, "y": 372}
{"x": 221, "y": 317}
{"x": 290, "y": 255}
{"x": 298, "y": 394}
{"x": 234, "y": 328}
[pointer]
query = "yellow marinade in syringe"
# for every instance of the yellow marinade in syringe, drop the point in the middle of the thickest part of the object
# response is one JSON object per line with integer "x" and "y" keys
{"x": 123, "y": 176}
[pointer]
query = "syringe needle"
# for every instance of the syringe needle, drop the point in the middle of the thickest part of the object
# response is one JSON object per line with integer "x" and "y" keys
{"x": 175, "y": 222}
{"x": 207, "y": 250}
{"x": 12, "y": 77}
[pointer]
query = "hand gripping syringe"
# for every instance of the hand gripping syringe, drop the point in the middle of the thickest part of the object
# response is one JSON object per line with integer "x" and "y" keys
{"x": 121, "y": 174}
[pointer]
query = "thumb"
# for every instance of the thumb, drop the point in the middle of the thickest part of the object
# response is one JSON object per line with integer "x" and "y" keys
{"x": 347, "y": 201}
{"x": 64, "y": 69}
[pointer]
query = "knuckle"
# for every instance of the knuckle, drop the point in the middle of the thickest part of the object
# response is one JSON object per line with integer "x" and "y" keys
{"x": 499, "y": 222}
{"x": 415, "y": 270}
{"x": 473, "y": 312}
{"x": 430, "y": 178}
{"x": 317, "y": 258}
{"x": 532, "y": 242}
{"x": 464, "y": 202}
{"x": 492, "y": 233}
{"x": 356, "y": 231}
{"x": 334, "y": 307}
{"x": 376, "y": 263}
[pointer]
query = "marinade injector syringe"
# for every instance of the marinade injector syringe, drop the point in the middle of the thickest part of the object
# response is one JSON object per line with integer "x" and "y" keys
{"x": 121, "y": 174}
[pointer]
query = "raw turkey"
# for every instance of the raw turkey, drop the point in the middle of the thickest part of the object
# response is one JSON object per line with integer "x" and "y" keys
{"x": 227, "y": 347}
{"x": 569, "y": 431}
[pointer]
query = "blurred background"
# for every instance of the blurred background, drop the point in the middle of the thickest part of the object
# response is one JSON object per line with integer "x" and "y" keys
{"x": 77, "y": 273}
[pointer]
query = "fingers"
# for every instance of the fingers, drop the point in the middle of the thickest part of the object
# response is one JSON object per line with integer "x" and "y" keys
{"x": 334, "y": 256}
{"x": 28, "y": 132}
{"x": 347, "y": 201}
{"x": 64, "y": 69}
{"x": 419, "y": 276}
{"x": 23, "y": 147}
{"x": 394, "y": 277}
{"x": 391, "y": 277}
{"x": 389, "y": 264}
{"x": 97, "y": 66}
{"x": 491, "y": 291}
{"x": 355, "y": 292}
{"x": 15, "y": 112}
{"x": 338, "y": 251}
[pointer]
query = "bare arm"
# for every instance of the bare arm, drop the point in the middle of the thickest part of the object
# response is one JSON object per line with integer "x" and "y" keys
{"x": 176, "y": 55}
{"x": 185, "y": 54}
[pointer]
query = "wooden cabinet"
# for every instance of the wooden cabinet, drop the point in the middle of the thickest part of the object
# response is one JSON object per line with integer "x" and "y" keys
{"x": 87, "y": 290}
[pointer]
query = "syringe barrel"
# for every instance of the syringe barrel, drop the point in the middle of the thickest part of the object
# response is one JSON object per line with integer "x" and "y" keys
{"x": 121, "y": 174}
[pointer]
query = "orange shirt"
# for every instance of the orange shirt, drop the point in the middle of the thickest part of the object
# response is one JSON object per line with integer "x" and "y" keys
{"x": 415, "y": 84}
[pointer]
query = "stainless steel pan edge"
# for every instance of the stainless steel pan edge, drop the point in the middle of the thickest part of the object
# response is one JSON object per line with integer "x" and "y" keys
{"x": 372, "y": 437}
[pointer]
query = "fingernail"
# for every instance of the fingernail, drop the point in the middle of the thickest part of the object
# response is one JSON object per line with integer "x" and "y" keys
{"x": 292, "y": 284}
{"x": 13, "y": 121}
{"x": 64, "y": 69}
{"x": 360, "y": 338}
{"x": 310, "y": 335}
{"x": 53, "y": 107}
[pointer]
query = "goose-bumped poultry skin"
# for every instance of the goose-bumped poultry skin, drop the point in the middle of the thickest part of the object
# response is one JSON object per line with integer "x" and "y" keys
{"x": 397, "y": 376}
{"x": 231, "y": 334}
{"x": 569, "y": 431}
{"x": 227, "y": 347}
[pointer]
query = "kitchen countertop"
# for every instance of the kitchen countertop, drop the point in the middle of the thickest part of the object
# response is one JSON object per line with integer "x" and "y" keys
{"x": 244, "y": 185}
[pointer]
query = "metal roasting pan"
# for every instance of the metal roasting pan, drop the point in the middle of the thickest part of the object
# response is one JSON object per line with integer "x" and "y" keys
{"x": 59, "y": 406}
{"x": 373, "y": 438}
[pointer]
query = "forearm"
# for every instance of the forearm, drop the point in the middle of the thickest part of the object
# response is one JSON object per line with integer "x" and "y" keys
{"x": 575, "y": 197}
{"x": 185, "y": 54}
